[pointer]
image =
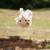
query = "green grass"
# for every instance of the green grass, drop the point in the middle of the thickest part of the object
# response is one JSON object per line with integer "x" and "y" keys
{"x": 40, "y": 24}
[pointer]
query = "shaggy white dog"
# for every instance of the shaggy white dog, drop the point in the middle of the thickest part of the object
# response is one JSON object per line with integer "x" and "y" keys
{"x": 24, "y": 18}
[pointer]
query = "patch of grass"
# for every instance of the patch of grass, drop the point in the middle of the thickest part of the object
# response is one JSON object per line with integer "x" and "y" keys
{"x": 8, "y": 26}
{"x": 48, "y": 46}
{"x": 41, "y": 23}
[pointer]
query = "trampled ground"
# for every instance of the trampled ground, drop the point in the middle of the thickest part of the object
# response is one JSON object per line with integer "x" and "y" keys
{"x": 40, "y": 28}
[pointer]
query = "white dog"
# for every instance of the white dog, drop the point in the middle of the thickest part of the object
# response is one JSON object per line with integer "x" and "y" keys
{"x": 24, "y": 19}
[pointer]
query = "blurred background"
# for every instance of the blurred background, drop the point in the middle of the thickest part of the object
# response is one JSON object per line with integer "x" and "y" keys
{"x": 31, "y": 4}
{"x": 40, "y": 28}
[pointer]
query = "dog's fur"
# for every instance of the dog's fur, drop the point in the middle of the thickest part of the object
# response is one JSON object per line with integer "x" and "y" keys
{"x": 24, "y": 18}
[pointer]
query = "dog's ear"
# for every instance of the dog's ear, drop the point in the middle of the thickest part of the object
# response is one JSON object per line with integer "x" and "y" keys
{"x": 21, "y": 10}
{"x": 29, "y": 12}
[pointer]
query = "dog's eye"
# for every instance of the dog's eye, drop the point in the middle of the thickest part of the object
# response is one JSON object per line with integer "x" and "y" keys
{"x": 19, "y": 20}
{"x": 28, "y": 20}
{"x": 25, "y": 20}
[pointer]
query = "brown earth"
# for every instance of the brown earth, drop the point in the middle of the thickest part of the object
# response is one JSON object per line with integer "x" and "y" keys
{"x": 17, "y": 43}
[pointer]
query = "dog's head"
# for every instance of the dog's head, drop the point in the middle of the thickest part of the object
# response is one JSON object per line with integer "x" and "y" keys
{"x": 25, "y": 18}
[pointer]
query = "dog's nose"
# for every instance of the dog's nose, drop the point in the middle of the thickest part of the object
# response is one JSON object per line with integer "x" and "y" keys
{"x": 27, "y": 23}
